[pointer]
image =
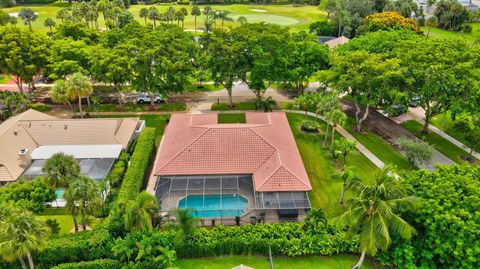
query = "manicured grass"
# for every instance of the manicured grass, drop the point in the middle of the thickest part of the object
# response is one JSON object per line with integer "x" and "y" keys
{"x": 260, "y": 262}
{"x": 374, "y": 143}
{"x": 471, "y": 37}
{"x": 321, "y": 167}
{"x": 298, "y": 18}
{"x": 448, "y": 126}
{"x": 238, "y": 106}
{"x": 232, "y": 118}
{"x": 62, "y": 219}
{"x": 156, "y": 121}
{"x": 441, "y": 144}
{"x": 142, "y": 107}
{"x": 202, "y": 88}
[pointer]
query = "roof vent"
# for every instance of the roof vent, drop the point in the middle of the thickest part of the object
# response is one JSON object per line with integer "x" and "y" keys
{"x": 15, "y": 132}
{"x": 65, "y": 126}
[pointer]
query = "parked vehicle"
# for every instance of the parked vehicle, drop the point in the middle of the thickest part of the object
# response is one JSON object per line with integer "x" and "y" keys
{"x": 414, "y": 101}
{"x": 144, "y": 97}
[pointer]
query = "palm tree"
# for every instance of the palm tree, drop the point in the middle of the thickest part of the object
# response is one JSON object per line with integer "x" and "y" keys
{"x": 242, "y": 20}
{"x": 336, "y": 117}
{"x": 59, "y": 94}
{"x": 303, "y": 102}
{"x": 196, "y": 12}
{"x": 49, "y": 22}
{"x": 223, "y": 15}
{"x": 207, "y": 11}
{"x": 179, "y": 17}
{"x": 21, "y": 232}
{"x": 71, "y": 198}
{"x": 153, "y": 14}
{"x": 171, "y": 14}
{"x": 64, "y": 14}
{"x": 144, "y": 14}
{"x": 28, "y": 16}
{"x": 60, "y": 170}
{"x": 186, "y": 223}
{"x": 84, "y": 193}
{"x": 373, "y": 213}
{"x": 348, "y": 177}
{"x": 102, "y": 6}
{"x": 78, "y": 86}
{"x": 268, "y": 104}
{"x": 139, "y": 213}
{"x": 346, "y": 146}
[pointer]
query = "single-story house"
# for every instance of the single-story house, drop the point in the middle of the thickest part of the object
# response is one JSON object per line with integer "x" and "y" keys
{"x": 27, "y": 140}
{"x": 333, "y": 43}
{"x": 242, "y": 172}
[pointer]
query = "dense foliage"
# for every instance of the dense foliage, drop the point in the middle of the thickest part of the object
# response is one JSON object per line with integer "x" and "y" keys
{"x": 31, "y": 195}
{"x": 389, "y": 21}
{"x": 101, "y": 263}
{"x": 139, "y": 162}
{"x": 447, "y": 220}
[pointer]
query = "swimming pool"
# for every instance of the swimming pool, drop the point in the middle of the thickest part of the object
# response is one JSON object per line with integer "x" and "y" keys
{"x": 215, "y": 206}
{"x": 59, "y": 193}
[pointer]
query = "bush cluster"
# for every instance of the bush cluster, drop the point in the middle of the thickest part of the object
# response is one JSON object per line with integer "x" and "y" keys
{"x": 95, "y": 264}
{"x": 309, "y": 126}
{"x": 139, "y": 162}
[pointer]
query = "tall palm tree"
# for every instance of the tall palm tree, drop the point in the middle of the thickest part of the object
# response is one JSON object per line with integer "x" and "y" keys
{"x": 59, "y": 94}
{"x": 21, "y": 232}
{"x": 153, "y": 14}
{"x": 144, "y": 14}
{"x": 196, "y": 12}
{"x": 78, "y": 86}
{"x": 346, "y": 147}
{"x": 28, "y": 16}
{"x": 49, "y": 22}
{"x": 223, "y": 15}
{"x": 71, "y": 198}
{"x": 373, "y": 213}
{"x": 84, "y": 192}
{"x": 348, "y": 177}
{"x": 336, "y": 117}
{"x": 60, "y": 170}
{"x": 139, "y": 213}
{"x": 242, "y": 20}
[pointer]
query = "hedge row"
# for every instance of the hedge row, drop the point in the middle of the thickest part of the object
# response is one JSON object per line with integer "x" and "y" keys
{"x": 95, "y": 264}
{"x": 139, "y": 162}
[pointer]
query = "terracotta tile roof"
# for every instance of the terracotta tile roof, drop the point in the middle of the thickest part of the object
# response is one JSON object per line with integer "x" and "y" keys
{"x": 32, "y": 129}
{"x": 264, "y": 147}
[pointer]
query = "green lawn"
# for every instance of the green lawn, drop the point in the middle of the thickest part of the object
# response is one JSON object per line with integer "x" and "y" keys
{"x": 61, "y": 218}
{"x": 448, "y": 126}
{"x": 238, "y": 106}
{"x": 321, "y": 168}
{"x": 142, "y": 107}
{"x": 471, "y": 37}
{"x": 298, "y": 18}
{"x": 260, "y": 262}
{"x": 4, "y": 79}
{"x": 441, "y": 144}
{"x": 375, "y": 144}
{"x": 231, "y": 118}
{"x": 195, "y": 87}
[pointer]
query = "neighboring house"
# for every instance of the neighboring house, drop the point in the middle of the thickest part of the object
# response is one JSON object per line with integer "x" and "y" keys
{"x": 30, "y": 138}
{"x": 337, "y": 42}
{"x": 231, "y": 172}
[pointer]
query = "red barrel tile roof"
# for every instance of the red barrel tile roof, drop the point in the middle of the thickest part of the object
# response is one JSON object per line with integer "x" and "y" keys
{"x": 264, "y": 147}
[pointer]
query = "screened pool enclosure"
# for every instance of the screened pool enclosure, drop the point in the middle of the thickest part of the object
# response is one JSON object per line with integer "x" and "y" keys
{"x": 93, "y": 168}
{"x": 218, "y": 196}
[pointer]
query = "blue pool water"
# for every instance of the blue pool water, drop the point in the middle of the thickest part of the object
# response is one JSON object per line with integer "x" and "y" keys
{"x": 59, "y": 193}
{"x": 215, "y": 206}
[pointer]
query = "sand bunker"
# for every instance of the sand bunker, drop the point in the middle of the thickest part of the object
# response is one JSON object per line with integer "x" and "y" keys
{"x": 258, "y": 10}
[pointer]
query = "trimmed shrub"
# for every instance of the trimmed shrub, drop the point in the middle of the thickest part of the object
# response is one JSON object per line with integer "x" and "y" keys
{"x": 104, "y": 264}
{"x": 309, "y": 126}
{"x": 139, "y": 162}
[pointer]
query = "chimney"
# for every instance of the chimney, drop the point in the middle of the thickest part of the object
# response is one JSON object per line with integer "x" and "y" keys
{"x": 25, "y": 158}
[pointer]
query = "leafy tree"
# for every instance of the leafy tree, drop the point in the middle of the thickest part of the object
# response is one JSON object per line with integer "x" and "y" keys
{"x": 304, "y": 102}
{"x": 23, "y": 54}
{"x": 306, "y": 58}
{"x": 195, "y": 13}
{"x": 112, "y": 66}
{"x": 76, "y": 31}
{"x": 12, "y": 103}
{"x": 68, "y": 56}
{"x": 59, "y": 94}
{"x": 441, "y": 71}
{"x": 60, "y": 170}
{"x": 139, "y": 213}
{"x": 446, "y": 220}
{"x": 473, "y": 140}
{"x": 21, "y": 233}
{"x": 450, "y": 14}
{"x": 78, "y": 86}
{"x": 223, "y": 60}
{"x": 373, "y": 214}
{"x": 346, "y": 147}
{"x": 389, "y": 21}
{"x": 348, "y": 15}
{"x": 406, "y": 8}
{"x": 322, "y": 28}
{"x": 416, "y": 152}
{"x": 49, "y": 22}
{"x": 28, "y": 16}
{"x": 5, "y": 19}
{"x": 366, "y": 77}
{"x": 144, "y": 14}
{"x": 30, "y": 195}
